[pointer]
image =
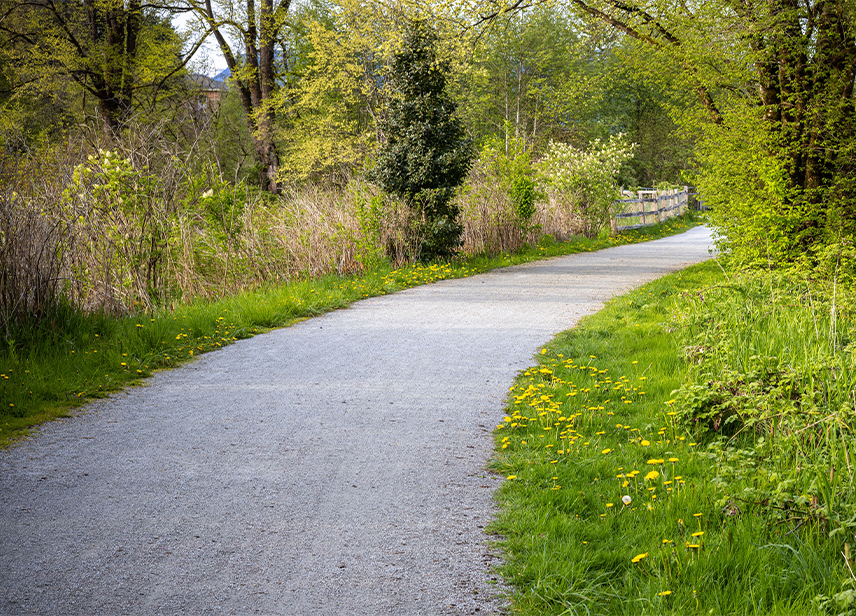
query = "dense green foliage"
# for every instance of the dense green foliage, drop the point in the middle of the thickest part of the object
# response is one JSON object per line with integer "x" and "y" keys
{"x": 773, "y": 82}
{"x": 70, "y": 59}
{"x": 688, "y": 451}
{"x": 586, "y": 180}
{"x": 762, "y": 120}
{"x": 427, "y": 154}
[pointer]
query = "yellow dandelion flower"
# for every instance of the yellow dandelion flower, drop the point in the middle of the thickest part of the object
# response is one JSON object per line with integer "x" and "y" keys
{"x": 639, "y": 557}
{"x": 652, "y": 475}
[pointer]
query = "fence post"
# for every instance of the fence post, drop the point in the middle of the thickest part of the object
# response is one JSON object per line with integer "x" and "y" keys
{"x": 639, "y": 196}
{"x": 666, "y": 211}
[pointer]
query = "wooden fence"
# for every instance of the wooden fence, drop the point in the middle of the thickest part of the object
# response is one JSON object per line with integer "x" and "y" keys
{"x": 650, "y": 207}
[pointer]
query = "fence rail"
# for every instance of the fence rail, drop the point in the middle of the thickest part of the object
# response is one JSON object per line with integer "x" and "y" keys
{"x": 656, "y": 206}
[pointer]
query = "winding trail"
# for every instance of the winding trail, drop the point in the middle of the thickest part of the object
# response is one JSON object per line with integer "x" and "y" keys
{"x": 335, "y": 467}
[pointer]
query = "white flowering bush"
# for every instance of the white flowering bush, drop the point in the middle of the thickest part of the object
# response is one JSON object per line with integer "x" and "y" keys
{"x": 584, "y": 182}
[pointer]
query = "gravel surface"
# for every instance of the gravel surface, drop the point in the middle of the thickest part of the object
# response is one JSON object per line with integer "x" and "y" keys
{"x": 336, "y": 467}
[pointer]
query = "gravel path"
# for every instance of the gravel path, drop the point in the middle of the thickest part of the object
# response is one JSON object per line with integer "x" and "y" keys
{"x": 335, "y": 467}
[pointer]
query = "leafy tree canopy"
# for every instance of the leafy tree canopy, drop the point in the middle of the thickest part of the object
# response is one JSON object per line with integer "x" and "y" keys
{"x": 119, "y": 53}
{"x": 775, "y": 112}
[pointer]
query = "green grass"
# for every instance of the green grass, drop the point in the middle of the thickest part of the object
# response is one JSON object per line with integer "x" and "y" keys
{"x": 71, "y": 358}
{"x": 770, "y": 491}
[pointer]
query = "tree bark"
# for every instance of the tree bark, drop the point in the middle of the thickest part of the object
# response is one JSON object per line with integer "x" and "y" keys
{"x": 255, "y": 78}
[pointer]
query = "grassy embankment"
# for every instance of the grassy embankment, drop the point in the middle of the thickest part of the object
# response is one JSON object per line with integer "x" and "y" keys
{"x": 732, "y": 495}
{"x": 74, "y": 357}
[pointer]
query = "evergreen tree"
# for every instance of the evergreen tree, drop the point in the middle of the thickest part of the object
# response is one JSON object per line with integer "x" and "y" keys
{"x": 427, "y": 154}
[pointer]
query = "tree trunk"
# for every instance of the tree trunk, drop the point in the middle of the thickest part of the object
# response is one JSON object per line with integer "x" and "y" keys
{"x": 113, "y": 34}
{"x": 256, "y": 80}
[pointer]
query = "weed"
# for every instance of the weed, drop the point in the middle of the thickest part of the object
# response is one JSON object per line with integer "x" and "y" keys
{"x": 683, "y": 451}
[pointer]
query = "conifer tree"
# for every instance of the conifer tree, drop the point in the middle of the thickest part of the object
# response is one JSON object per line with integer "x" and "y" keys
{"x": 427, "y": 153}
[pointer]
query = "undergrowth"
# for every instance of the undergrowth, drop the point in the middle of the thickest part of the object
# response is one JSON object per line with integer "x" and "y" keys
{"x": 72, "y": 357}
{"x": 688, "y": 450}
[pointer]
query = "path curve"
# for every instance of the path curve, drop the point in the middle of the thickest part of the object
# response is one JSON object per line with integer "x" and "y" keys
{"x": 334, "y": 467}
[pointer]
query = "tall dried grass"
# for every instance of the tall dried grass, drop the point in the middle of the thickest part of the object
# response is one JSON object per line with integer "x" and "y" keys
{"x": 34, "y": 246}
{"x": 304, "y": 232}
{"x": 169, "y": 229}
{"x": 560, "y": 217}
{"x": 491, "y": 222}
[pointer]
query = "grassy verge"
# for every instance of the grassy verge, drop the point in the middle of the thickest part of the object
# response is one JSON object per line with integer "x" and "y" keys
{"x": 72, "y": 358}
{"x": 685, "y": 451}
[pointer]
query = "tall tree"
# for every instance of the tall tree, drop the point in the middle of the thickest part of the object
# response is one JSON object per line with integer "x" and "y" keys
{"x": 528, "y": 79}
{"x": 110, "y": 49}
{"x": 544, "y": 74}
{"x": 258, "y": 70}
{"x": 774, "y": 81}
{"x": 328, "y": 116}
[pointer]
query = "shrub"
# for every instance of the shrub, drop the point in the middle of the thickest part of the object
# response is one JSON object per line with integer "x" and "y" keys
{"x": 522, "y": 194}
{"x": 499, "y": 199}
{"x": 584, "y": 182}
{"x": 427, "y": 154}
